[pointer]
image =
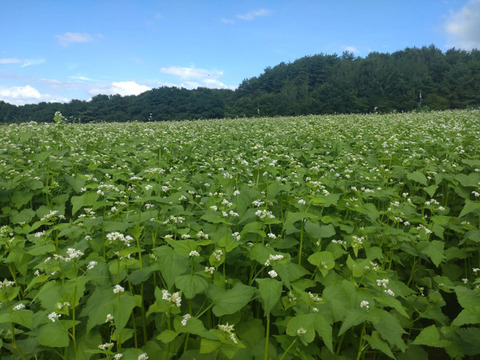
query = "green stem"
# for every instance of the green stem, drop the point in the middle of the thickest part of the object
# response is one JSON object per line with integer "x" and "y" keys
{"x": 267, "y": 336}
{"x": 360, "y": 344}
{"x": 144, "y": 318}
{"x": 288, "y": 349}
{"x": 14, "y": 342}
{"x": 73, "y": 318}
{"x": 339, "y": 346}
{"x": 301, "y": 245}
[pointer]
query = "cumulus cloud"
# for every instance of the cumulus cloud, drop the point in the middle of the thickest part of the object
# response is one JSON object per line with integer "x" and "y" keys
{"x": 191, "y": 77}
{"x": 21, "y": 95}
{"x": 463, "y": 27}
{"x": 254, "y": 14}
{"x": 69, "y": 38}
{"x": 122, "y": 88}
{"x": 351, "y": 49}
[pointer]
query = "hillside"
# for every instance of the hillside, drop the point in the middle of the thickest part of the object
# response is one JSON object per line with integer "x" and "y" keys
{"x": 405, "y": 80}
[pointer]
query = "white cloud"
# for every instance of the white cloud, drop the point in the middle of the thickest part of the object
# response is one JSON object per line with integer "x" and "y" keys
{"x": 254, "y": 14}
{"x": 30, "y": 62}
{"x": 192, "y": 78}
{"x": 351, "y": 49}
{"x": 68, "y": 38}
{"x": 463, "y": 27}
{"x": 122, "y": 88}
{"x": 21, "y": 95}
{"x": 24, "y": 62}
{"x": 190, "y": 73}
{"x": 128, "y": 88}
{"x": 81, "y": 78}
{"x": 227, "y": 21}
{"x": 5, "y": 61}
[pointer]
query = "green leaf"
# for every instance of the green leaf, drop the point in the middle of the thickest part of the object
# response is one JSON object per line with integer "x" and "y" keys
{"x": 171, "y": 264}
{"x": 430, "y": 336}
{"x": 230, "y": 301}
{"x": 431, "y": 190}
{"x": 377, "y": 343}
{"x": 191, "y": 285}
{"x": 141, "y": 275}
{"x": 470, "y": 206}
{"x": 354, "y": 317}
{"x": 122, "y": 309}
{"x": 207, "y": 345}
{"x": 338, "y": 297}
{"x": 99, "y": 304}
{"x": 193, "y": 326}
{"x": 326, "y": 201}
{"x": 418, "y": 177}
{"x": 471, "y": 179}
{"x": 467, "y": 317}
{"x": 253, "y": 227}
{"x": 23, "y": 317}
{"x": 323, "y": 260}
{"x": 270, "y": 292}
{"x": 41, "y": 249}
{"x": 167, "y": 336}
{"x": 318, "y": 231}
{"x": 23, "y": 216}
{"x": 467, "y": 298}
{"x": 21, "y": 198}
{"x": 324, "y": 330}
{"x": 53, "y": 335}
{"x": 388, "y": 327}
{"x": 469, "y": 340}
{"x": 303, "y": 327}
{"x": 434, "y": 250}
{"x": 87, "y": 199}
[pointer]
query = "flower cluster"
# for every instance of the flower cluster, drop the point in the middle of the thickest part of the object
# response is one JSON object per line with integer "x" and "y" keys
{"x": 175, "y": 298}
{"x": 229, "y": 329}
{"x": 383, "y": 283}
{"x": 116, "y": 236}
{"x": 273, "y": 258}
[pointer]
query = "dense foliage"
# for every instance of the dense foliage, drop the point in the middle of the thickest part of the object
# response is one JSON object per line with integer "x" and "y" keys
{"x": 406, "y": 80}
{"x": 316, "y": 237}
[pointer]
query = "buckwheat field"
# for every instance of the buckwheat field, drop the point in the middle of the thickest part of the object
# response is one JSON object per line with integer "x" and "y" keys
{"x": 314, "y": 237}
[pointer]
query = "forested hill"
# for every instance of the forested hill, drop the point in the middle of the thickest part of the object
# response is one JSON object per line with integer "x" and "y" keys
{"x": 415, "y": 78}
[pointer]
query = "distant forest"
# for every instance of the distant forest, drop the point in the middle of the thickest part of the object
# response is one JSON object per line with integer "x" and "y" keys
{"x": 424, "y": 79}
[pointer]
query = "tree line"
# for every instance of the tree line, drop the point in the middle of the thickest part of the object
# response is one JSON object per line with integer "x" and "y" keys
{"x": 415, "y": 78}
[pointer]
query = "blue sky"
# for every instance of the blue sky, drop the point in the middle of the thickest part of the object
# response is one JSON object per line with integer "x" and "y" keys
{"x": 63, "y": 50}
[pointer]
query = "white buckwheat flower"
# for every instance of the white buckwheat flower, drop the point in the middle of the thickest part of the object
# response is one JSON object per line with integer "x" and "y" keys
{"x": 186, "y": 317}
{"x": 18, "y": 307}
{"x": 365, "y": 304}
{"x": 194, "y": 253}
{"x": 210, "y": 270}
{"x": 106, "y": 346}
{"x": 118, "y": 289}
{"x": 301, "y": 331}
{"x": 273, "y": 274}
{"x": 53, "y": 316}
